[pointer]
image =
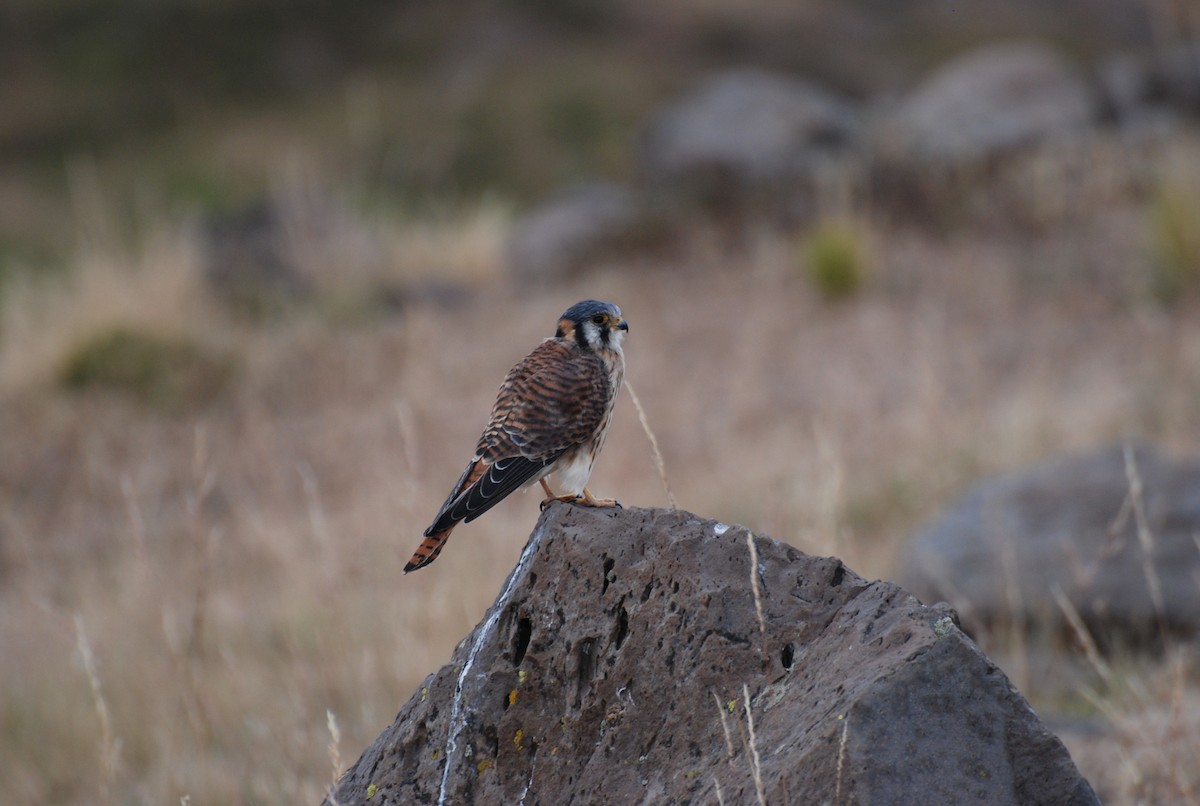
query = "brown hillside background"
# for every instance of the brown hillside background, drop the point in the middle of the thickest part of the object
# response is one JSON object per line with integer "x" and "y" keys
{"x": 205, "y": 510}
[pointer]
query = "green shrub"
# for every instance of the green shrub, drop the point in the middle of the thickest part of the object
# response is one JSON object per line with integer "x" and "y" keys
{"x": 1175, "y": 239}
{"x": 166, "y": 372}
{"x": 835, "y": 260}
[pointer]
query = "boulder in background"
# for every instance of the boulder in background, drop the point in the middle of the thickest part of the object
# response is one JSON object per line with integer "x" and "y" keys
{"x": 999, "y": 552}
{"x": 987, "y": 102}
{"x": 744, "y": 135}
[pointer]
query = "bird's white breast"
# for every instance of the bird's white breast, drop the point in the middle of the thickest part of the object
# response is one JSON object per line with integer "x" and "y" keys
{"x": 574, "y": 468}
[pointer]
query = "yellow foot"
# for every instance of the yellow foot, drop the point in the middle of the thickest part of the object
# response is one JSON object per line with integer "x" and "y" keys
{"x": 551, "y": 497}
{"x": 566, "y": 499}
{"x": 589, "y": 500}
{"x": 586, "y": 500}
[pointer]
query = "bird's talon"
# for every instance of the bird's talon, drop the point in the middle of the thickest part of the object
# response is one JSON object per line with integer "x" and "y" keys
{"x": 599, "y": 503}
{"x": 566, "y": 499}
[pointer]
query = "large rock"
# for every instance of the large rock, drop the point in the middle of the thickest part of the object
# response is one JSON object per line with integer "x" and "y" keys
{"x": 745, "y": 133}
{"x": 998, "y": 554}
{"x": 615, "y": 665}
{"x": 990, "y": 101}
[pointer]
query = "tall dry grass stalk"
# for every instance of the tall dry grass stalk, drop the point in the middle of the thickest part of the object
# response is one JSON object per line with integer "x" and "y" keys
{"x": 841, "y": 758}
{"x": 724, "y": 728}
{"x": 748, "y": 739}
{"x": 335, "y": 754}
{"x": 658, "y": 458}
{"x": 754, "y": 589}
{"x": 1146, "y": 540}
{"x": 109, "y": 748}
{"x": 756, "y": 768}
{"x": 1082, "y": 633}
{"x": 720, "y": 794}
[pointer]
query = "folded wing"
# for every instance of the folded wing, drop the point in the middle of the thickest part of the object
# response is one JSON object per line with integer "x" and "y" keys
{"x": 552, "y": 401}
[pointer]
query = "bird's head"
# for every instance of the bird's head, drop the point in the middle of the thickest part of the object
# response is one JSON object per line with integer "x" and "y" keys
{"x": 593, "y": 325}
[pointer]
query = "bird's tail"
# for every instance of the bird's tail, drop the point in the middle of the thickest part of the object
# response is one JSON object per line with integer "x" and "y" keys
{"x": 429, "y": 549}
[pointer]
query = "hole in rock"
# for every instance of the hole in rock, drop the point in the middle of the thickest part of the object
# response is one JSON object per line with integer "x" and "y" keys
{"x": 586, "y": 668}
{"x": 521, "y": 640}
{"x": 622, "y": 627}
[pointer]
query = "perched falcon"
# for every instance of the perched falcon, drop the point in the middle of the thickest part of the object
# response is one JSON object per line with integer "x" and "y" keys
{"x": 551, "y": 414}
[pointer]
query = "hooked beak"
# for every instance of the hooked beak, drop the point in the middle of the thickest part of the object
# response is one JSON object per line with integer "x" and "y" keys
{"x": 622, "y": 325}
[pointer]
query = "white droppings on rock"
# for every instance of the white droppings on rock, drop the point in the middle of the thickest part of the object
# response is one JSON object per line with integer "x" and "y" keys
{"x": 458, "y": 708}
{"x": 720, "y": 529}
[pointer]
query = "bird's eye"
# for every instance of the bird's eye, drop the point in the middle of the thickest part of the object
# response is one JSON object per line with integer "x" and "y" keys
{"x": 600, "y": 318}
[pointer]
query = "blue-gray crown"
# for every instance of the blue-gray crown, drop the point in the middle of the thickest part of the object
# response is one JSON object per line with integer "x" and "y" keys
{"x": 582, "y": 311}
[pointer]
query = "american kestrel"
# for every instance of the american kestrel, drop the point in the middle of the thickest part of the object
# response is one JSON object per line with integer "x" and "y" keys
{"x": 551, "y": 414}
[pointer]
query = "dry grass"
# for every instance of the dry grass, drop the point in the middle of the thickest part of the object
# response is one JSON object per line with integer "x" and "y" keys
{"x": 158, "y": 290}
{"x": 756, "y": 767}
{"x": 841, "y": 759}
{"x": 658, "y": 459}
{"x": 762, "y": 626}
{"x": 238, "y": 567}
{"x": 1147, "y": 751}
